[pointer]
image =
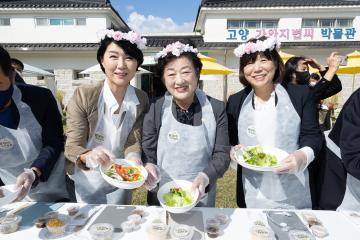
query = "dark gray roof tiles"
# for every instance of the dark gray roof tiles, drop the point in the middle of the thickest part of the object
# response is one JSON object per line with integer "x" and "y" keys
{"x": 276, "y": 3}
{"x": 54, "y": 4}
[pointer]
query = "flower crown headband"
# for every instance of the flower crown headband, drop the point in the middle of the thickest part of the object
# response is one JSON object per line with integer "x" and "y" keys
{"x": 175, "y": 49}
{"x": 258, "y": 46}
{"x": 131, "y": 36}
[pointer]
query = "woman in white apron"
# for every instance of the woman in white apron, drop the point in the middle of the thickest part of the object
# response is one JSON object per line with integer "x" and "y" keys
{"x": 104, "y": 120}
{"x": 342, "y": 176}
{"x": 270, "y": 114}
{"x": 31, "y": 139}
{"x": 185, "y": 132}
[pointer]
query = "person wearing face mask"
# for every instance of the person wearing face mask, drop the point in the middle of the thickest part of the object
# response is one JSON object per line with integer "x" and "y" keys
{"x": 297, "y": 72}
{"x": 31, "y": 139}
{"x": 104, "y": 121}
{"x": 185, "y": 132}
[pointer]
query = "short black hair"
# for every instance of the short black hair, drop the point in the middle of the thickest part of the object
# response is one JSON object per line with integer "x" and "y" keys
{"x": 15, "y": 61}
{"x": 5, "y": 62}
{"x": 191, "y": 56}
{"x": 291, "y": 66}
{"x": 129, "y": 48}
{"x": 272, "y": 55}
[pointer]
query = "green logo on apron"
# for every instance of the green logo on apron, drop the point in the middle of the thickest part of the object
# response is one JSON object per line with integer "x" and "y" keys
{"x": 99, "y": 137}
{"x": 173, "y": 136}
{"x": 6, "y": 144}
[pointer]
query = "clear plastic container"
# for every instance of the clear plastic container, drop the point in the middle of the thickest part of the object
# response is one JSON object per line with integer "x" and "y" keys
{"x": 135, "y": 218}
{"x": 222, "y": 218}
{"x": 300, "y": 235}
{"x": 56, "y": 226}
{"x": 212, "y": 222}
{"x": 157, "y": 230}
{"x": 261, "y": 233}
{"x": 101, "y": 231}
{"x": 128, "y": 226}
{"x": 181, "y": 232}
{"x": 52, "y": 214}
{"x": 72, "y": 210}
{"x": 9, "y": 224}
{"x": 139, "y": 211}
{"x": 319, "y": 231}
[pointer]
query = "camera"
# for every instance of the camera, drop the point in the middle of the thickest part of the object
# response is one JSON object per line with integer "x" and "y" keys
{"x": 343, "y": 60}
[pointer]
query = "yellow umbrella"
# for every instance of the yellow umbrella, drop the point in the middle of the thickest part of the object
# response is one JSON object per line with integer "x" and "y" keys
{"x": 206, "y": 58}
{"x": 352, "y": 67}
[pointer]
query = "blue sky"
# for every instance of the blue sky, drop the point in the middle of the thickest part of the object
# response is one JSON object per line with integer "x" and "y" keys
{"x": 158, "y": 15}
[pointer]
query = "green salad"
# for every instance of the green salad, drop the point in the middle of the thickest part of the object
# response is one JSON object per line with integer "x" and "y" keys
{"x": 177, "y": 197}
{"x": 256, "y": 156}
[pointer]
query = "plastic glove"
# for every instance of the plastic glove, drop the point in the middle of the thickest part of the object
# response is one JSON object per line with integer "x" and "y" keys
{"x": 233, "y": 151}
{"x": 24, "y": 181}
{"x": 200, "y": 182}
{"x": 98, "y": 156}
{"x": 294, "y": 163}
{"x": 153, "y": 176}
{"x": 135, "y": 157}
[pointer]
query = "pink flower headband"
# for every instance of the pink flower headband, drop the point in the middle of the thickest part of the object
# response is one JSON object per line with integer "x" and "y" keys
{"x": 133, "y": 37}
{"x": 175, "y": 49}
{"x": 258, "y": 46}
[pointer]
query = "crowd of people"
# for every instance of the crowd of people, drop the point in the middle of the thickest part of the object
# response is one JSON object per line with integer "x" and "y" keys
{"x": 184, "y": 134}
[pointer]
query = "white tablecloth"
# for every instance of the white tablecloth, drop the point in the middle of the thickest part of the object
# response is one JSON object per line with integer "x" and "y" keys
{"x": 339, "y": 224}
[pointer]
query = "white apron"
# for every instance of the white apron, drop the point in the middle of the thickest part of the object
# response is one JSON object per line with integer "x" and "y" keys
{"x": 183, "y": 150}
{"x": 268, "y": 189}
{"x": 351, "y": 199}
{"x": 18, "y": 150}
{"x": 90, "y": 187}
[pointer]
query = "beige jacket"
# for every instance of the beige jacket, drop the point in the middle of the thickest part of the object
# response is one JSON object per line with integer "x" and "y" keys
{"x": 81, "y": 120}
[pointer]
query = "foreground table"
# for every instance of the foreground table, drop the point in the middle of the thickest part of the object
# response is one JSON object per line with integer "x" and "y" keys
{"x": 339, "y": 225}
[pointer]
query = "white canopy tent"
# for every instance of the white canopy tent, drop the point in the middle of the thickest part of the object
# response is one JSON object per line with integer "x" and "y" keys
{"x": 32, "y": 71}
{"x": 96, "y": 68}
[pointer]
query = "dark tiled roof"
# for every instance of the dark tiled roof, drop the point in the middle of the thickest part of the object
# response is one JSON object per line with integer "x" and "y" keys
{"x": 54, "y": 3}
{"x": 162, "y": 41}
{"x": 276, "y": 3}
{"x": 50, "y": 45}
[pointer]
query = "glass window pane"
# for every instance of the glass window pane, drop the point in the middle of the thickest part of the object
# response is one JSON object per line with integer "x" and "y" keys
{"x": 4, "y": 21}
{"x": 68, "y": 22}
{"x": 81, "y": 21}
{"x": 252, "y": 23}
{"x": 269, "y": 24}
{"x": 309, "y": 22}
{"x": 55, "y": 22}
{"x": 344, "y": 23}
{"x": 41, "y": 21}
{"x": 233, "y": 24}
{"x": 326, "y": 22}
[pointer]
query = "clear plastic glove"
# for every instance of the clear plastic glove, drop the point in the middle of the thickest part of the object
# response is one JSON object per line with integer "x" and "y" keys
{"x": 200, "y": 182}
{"x": 233, "y": 151}
{"x": 153, "y": 176}
{"x": 294, "y": 163}
{"x": 134, "y": 157}
{"x": 98, "y": 156}
{"x": 24, "y": 181}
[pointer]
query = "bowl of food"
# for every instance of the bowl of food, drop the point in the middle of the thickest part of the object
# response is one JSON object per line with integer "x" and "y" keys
{"x": 8, "y": 194}
{"x": 56, "y": 226}
{"x": 177, "y": 196}
{"x": 124, "y": 174}
{"x": 9, "y": 223}
{"x": 260, "y": 158}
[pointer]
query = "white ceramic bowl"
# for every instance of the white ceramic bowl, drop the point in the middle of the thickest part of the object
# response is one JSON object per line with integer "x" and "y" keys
{"x": 186, "y": 185}
{"x": 125, "y": 184}
{"x": 279, "y": 154}
{"x": 10, "y": 193}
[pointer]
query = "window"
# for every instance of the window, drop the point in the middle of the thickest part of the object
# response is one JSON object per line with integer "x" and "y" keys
{"x": 327, "y": 23}
{"x": 60, "y": 21}
{"x": 4, "y": 21}
{"x": 252, "y": 23}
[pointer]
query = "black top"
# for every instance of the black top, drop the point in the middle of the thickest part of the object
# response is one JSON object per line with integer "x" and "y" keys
{"x": 304, "y": 103}
{"x": 151, "y": 128}
{"x": 44, "y": 107}
{"x": 324, "y": 88}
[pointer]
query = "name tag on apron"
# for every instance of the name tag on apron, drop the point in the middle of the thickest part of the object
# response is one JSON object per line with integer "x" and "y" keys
{"x": 99, "y": 137}
{"x": 173, "y": 136}
{"x": 6, "y": 144}
{"x": 250, "y": 131}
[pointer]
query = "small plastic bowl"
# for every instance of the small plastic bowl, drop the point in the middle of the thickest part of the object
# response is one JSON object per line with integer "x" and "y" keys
{"x": 139, "y": 211}
{"x": 101, "y": 231}
{"x": 157, "y": 230}
{"x": 222, "y": 218}
{"x": 52, "y": 214}
{"x": 213, "y": 232}
{"x": 72, "y": 210}
{"x": 212, "y": 222}
{"x": 9, "y": 224}
{"x": 40, "y": 222}
{"x": 319, "y": 231}
{"x": 135, "y": 218}
{"x": 299, "y": 235}
{"x": 181, "y": 232}
{"x": 128, "y": 226}
{"x": 261, "y": 233}
{"x": 56, "y": 226}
